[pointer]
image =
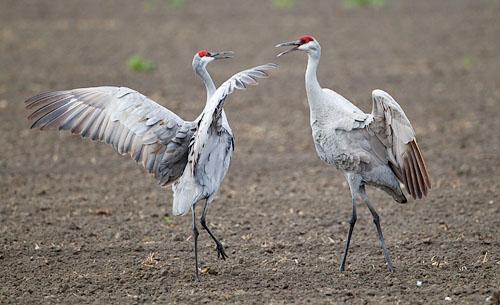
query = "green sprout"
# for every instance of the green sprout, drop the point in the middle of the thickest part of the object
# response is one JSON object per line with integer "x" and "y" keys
{"x": 167, "y": 220}
{"x": 177, "y": 3}
{"x": 137, "y": 63}
{"x": 358, "y": 3}
{"x": 283, "y": 4}
{"x": 152, "y": 5}
{"x": 467, "y": 62}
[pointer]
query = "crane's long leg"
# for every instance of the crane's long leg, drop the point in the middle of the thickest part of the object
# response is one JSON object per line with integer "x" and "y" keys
{"x": 376, "y": 221}
{"x": 220, "y": 249}
{"x": 195, "y": 237}
{"x": 351, "y": 228}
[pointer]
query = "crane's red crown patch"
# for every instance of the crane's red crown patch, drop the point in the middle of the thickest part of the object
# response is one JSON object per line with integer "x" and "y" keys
{"x": 306, "y": 39}
{"x": 203, "y": 53}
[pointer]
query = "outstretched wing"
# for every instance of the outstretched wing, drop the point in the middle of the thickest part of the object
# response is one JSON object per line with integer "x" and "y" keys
{"x": 393, "y": 128}
{"x": 239, "y": 81}
{"x": 213, "y": 110}
{"x": 122, "y": 117}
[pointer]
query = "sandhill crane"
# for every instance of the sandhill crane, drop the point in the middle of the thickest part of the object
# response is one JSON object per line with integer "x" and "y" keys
{"x": 193, "y": 155}
{"x": 378, "y": 149}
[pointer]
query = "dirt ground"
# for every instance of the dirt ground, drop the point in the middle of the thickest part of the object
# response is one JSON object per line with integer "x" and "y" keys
{"x": 80, "y": 224}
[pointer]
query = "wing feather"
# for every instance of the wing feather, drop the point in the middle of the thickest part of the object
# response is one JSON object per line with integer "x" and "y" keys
{"x": 408, "y": 180}
{"x": 213, "y": 110}
{"x": 96, "y": 127}
{"x": 393, "y": 128}
{"x": 421, "y": 164}
{"x": 418, "y": 173}
{"x": 414, "y": 177}
{"x": 121, "y": 117}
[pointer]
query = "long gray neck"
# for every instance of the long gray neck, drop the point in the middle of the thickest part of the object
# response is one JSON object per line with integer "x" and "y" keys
{"x": 202, "y": 72}
{"x": 312, "y": 84}
{"x": 318, "y": 104}
{"x": 207, "y": 80}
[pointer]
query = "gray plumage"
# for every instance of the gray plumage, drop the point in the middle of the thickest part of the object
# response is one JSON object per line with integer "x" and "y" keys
{"x": 193, "y": 154}
{"x": 212, "y": 145}
{"x": 378, "y": 149}
{"x": 123, "y": 118}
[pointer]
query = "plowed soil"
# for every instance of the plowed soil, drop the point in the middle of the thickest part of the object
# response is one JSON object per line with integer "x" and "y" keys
{"x": 80, "y": 224}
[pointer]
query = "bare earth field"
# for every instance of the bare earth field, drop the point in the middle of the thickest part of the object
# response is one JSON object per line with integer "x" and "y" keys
{"x": 80, "y": 224}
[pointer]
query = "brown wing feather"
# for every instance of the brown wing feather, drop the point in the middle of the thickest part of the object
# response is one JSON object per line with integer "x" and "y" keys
{"x": 415, "y": 176}
{"x": 408, "y": 177}
{"x": 421, "y": 164}
{"x": 393, "y": 128}
{"x": 418, "y": 175}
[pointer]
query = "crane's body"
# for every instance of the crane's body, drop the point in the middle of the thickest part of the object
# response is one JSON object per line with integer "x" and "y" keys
{"x": 196, "y": 183}
{"x": 377, "y": 149}
{"x": 193, "y": 156}
{"x": 343, "y": 138}
{"x": 215, "y": 156}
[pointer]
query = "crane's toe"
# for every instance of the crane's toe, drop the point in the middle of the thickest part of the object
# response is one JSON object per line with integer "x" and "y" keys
{"x": 221, "y": 254}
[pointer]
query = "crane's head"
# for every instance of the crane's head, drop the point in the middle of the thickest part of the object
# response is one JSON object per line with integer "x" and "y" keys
{"x": 306, "y": 43}
{"x": 203, "y": 57}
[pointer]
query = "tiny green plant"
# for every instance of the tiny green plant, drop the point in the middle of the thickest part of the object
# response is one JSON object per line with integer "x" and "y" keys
{"x": 467, "y": 62}
{"x": 137, "y": 63}
{"x": 149, "y": 5}
{"x": 177, "y": 3}
{"x": 283, "y": 4}
{"x": 167, "y": 220}
{"x": 359, "y": 3}
{"x": 152, "y": 5}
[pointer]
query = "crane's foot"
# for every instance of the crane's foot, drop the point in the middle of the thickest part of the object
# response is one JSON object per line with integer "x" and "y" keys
{"x": 221, "y": 254}
{"x": 391, "y": 269}
{"x": 344, "y": 256}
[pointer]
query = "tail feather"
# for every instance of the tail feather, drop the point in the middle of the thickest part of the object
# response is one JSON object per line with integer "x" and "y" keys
{"x": 186, "y": 194}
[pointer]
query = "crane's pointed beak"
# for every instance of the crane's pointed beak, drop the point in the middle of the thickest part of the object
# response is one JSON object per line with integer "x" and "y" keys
{"x": 223, "y": 54}
{"x": 296, "y": 44}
